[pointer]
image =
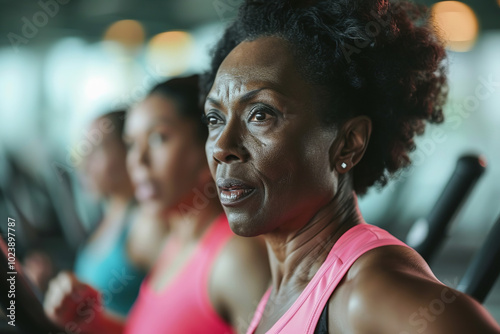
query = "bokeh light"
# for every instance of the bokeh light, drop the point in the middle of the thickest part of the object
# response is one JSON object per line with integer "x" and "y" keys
{"x": 457, "y": 23}
{"x": 169, "y": 53}
{"x": 128, "y": 33}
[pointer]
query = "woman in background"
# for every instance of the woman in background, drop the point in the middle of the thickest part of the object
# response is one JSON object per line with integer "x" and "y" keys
{"x": 206, "y": 280}
{"x": 104, "y": 262}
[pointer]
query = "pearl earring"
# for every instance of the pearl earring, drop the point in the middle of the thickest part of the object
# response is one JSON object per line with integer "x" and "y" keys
{"x": 343, "y": 165}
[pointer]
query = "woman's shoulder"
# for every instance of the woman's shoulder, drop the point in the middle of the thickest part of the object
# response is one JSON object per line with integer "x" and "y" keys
{"x": 391, "y": 259}
{"x": 392, "y": 289}
{"x": 241, "y": 254}
{"x": 238, "y": 279}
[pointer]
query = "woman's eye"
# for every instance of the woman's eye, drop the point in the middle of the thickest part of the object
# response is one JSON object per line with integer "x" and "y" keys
{"x": 260, "y": 114}
{"x": 211, "y": 119}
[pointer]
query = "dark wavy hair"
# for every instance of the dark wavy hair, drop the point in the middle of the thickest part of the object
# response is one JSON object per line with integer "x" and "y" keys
{"x": 185, "y": 91}
{"x": 117, "y": 118}
{"x": 377, "y": 58}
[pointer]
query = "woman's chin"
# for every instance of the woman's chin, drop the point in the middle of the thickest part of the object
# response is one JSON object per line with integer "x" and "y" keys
{"x": 245, "y": 225}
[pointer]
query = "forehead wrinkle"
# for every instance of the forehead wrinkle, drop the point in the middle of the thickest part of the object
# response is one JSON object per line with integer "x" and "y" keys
{"x": 227, "y": 86}
{"x": 232, "y": 85}
{"x": 266, "y": 61}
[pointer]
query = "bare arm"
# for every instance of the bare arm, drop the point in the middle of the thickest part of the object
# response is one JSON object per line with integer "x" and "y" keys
{"x": 393, "y": 292}
{"x": 239, "y": 278}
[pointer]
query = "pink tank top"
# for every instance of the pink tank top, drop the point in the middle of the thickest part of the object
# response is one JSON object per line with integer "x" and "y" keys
{"x": 184, "y": 305}
{"x": 302, "y": 317}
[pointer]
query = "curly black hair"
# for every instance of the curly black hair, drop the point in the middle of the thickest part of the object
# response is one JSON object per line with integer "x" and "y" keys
{"x": 377, "y": 58}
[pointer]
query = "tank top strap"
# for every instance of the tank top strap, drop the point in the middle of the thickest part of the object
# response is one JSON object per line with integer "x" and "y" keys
{"x": 217, "y": 234}
{"x": 357, "y": 241}
{"x": 259, "y": 312}
{"x": 186, "y": 299}
{"x": 304, "y": 313}
{"x": 214, "y": 238}
{"x": 212, "y": 244}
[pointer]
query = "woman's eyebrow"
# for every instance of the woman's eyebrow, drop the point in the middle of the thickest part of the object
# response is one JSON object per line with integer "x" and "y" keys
{"x": 214, "y": 101}
{"x": 244, "y": 98}
{"x": 250, "y": 95}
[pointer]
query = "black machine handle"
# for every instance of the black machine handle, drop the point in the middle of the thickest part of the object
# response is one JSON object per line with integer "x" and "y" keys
{"x": 427, "y": 235}
{"x": 484, "y": 268}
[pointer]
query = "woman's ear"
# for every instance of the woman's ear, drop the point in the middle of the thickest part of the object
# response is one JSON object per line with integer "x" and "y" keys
{"x": 351, "y": 143}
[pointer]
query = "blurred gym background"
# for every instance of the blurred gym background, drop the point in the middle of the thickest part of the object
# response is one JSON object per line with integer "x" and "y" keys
{"x": 63, "y": 62}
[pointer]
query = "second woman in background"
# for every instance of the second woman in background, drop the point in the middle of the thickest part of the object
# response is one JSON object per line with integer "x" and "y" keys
{"x": 207, "y": 280}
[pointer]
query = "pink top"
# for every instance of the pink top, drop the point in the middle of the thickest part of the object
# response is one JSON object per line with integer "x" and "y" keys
{"x": 184, "y": 305}
{"x": 302, "y": 317}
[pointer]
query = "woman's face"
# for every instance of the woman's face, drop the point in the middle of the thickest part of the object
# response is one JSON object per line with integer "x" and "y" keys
{"x": 104, "y": 171}
{"x": 267, "y": 149}
{"x": 165, "y": 159}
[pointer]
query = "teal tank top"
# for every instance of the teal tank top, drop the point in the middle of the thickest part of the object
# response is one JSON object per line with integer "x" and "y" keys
{"x": 111, "y": 272}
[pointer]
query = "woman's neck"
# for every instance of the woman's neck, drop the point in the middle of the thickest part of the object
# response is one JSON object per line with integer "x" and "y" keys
{"x": 116, "y": 206}
{"x": 297, "y": 256}
{"x": 190, "y": 224}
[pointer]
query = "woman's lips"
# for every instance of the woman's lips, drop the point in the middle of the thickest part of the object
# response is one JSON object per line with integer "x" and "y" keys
{"x": 228, "y": 197}
{"x": 233, "y": 191}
